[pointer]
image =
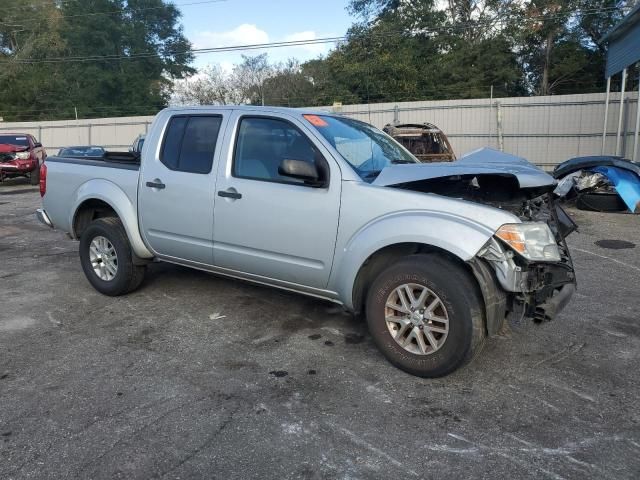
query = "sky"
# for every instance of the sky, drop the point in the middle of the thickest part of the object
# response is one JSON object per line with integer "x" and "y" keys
{"x": 243, "y": 22}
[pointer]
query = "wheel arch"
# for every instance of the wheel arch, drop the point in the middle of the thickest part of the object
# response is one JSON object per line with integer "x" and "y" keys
{"x": 88, "y": 211}
{"x": 403, "y": 233}
{"x": 100, "y": 198}
{"x": 386, "y": 256}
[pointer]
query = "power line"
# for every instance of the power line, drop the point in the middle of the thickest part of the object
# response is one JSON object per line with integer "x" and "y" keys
{"x": 197, "y": 51}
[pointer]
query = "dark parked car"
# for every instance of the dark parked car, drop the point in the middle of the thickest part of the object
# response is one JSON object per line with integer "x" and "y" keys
{"x": 21, "y": 156}
{"x": 86, "y": 151}
{"x": 426, "y": 141}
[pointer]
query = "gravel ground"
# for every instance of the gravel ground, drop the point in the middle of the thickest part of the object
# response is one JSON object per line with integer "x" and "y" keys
{"x": 195, "y": 376}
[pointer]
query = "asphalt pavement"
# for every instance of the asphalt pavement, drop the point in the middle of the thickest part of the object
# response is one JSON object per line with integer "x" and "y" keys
{"x": 196, "y": 376}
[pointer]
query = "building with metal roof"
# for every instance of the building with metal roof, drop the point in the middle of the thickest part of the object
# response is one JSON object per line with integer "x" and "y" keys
{"x": 623, "y": 51}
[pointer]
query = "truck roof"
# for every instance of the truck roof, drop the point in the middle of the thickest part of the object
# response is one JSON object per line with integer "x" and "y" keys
{"x": 251, "y": 108}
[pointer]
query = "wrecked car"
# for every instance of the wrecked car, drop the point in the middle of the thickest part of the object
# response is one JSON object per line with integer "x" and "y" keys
{"x": 425, "y": 141}
{"x": 21, "y": 156}
{"x": 600, "y": 183}
{"x": 435, "y": 255}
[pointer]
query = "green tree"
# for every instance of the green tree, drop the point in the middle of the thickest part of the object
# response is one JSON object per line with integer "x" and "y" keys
{"x": 143, "y": 49}
{"x": 29, "y": 31}
{"x": 560, "y": 47}
{"x": 289, "y": 86}
{"x": 211, "y": 86}
{"x": 126, "y": 55}
{"x": 414, "y": 50}
{"x": 250, "y": 77}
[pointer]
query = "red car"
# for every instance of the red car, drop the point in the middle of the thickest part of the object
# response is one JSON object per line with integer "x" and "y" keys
{"x": 21, "y": 156}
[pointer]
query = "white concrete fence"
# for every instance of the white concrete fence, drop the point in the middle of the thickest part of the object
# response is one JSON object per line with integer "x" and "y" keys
{"x": 545, "y": 130}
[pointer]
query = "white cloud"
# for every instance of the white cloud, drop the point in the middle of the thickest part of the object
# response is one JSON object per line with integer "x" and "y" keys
{"x": 226, "y": 66}
{"x": 310, "y": 50}
{"x": 245, "y": 34}
{"x": 250, "y": 34}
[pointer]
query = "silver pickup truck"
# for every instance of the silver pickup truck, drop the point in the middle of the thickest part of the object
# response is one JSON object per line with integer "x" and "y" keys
{"x": 436, "y": 256}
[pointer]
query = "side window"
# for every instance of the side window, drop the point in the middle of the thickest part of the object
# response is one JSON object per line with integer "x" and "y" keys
{"x": 263, "y": 143}
{"x": 190, "y": 143}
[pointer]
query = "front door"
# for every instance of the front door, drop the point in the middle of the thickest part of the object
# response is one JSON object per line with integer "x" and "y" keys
{"x": 176, "y": 190}
{"x": 267, "y": 224}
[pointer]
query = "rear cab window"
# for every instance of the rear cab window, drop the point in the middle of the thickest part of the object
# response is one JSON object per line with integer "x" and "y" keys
{"x": 189, "y": 143}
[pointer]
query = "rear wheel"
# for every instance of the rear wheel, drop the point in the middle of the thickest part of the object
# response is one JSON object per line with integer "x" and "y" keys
{"x": 425, "y": 315}
{"x": 106, "y": 258}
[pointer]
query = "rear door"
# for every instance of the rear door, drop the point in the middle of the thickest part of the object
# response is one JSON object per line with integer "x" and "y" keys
{"x": 176, "y": 190}
{"x": 269, "y": 225}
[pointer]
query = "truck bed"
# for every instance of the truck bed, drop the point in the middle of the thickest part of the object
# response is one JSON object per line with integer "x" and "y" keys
{"x": 70, "y": 180}
{"x": 109, "y": 160}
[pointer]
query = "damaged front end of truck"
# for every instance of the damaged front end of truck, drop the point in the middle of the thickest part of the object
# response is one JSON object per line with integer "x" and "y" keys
{"x": 534, "y": 284}
{"x": 525, "y": 269}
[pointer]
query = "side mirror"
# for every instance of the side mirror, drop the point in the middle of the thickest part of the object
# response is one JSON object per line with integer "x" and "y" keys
{"x": 301, "y": 170}
{"x": 37, "y": 145}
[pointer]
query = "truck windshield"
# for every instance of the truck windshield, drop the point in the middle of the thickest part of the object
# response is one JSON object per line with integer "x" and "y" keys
{"x": 367, "y": 149}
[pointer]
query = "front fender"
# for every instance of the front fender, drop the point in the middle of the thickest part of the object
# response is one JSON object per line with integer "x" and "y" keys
{"x": 460, "y": 236}
{"x": 111, "y": 194}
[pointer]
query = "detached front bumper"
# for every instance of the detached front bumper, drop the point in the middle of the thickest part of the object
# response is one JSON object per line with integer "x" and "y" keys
{"x": 554, "y": 305}
{"x": 539, "y": 291}
{"x": 541, "y": 300}
{"x": 548, "y": 288}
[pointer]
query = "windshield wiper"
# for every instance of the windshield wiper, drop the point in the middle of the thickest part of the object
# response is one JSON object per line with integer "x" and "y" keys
{"x": 399, "y": 161}
{"x": 370, "y": 174}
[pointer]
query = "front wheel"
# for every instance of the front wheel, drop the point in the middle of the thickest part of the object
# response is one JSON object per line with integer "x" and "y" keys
{"x": 34, "y": 176}
{"x": 106, "y": 258}
{"x": 425, "y": 315}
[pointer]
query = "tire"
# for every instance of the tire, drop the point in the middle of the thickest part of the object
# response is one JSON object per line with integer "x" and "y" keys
{"x": 600, "y": 202}
{"x": 34, "y": 176}
{"x": 128, "y": 276}
{"x": 459, "y": 301}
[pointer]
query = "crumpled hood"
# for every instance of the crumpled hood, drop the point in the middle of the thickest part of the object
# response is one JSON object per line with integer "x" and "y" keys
{"x": 9, "y": 148}
{"x": 482, "y": 161}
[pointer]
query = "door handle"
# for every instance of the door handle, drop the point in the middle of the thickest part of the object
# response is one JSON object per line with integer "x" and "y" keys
{"x": 157, "y": 184}
{"x": 230, "y": 194}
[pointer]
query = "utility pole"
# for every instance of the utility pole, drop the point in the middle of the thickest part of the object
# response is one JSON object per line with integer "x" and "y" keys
{"x": 606, "y": 116}
{"x": 500, "y": 139}
{"x": 621, "y": 113}
{"x": 491, "y": 116}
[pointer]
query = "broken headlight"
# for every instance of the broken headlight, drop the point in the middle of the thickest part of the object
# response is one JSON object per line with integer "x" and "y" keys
{"x": 533, "y": 240}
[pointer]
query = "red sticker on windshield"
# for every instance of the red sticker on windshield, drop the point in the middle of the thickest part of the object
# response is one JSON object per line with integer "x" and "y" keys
{"x": 316, "y": 121}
